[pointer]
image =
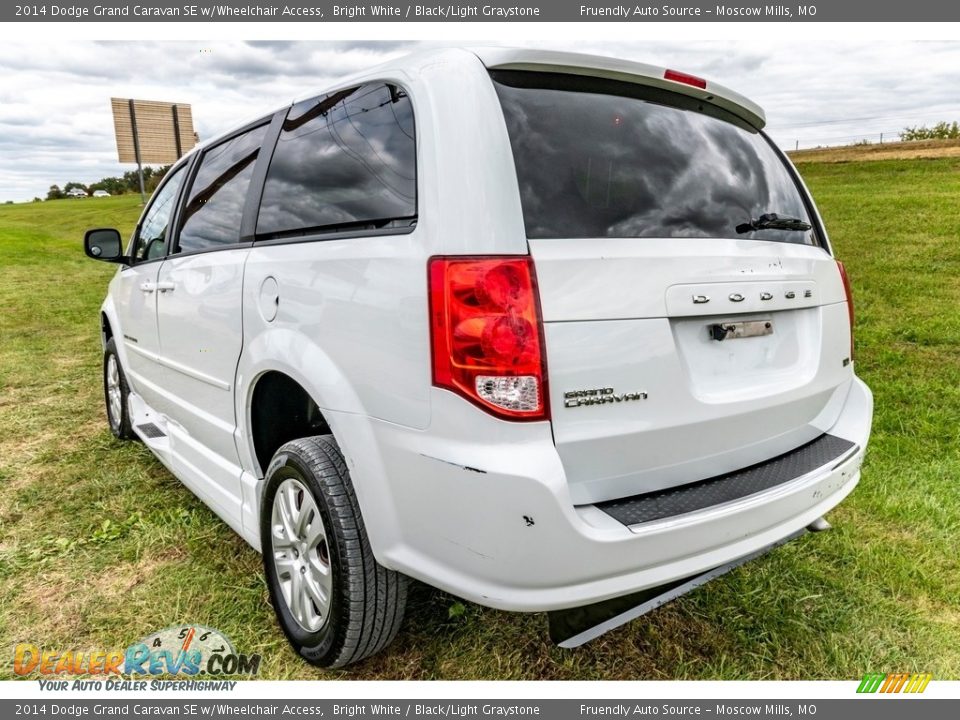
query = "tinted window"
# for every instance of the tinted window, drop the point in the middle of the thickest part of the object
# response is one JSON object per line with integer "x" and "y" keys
{"x": 598, "y": 158}
{"x": 211, "y": 217}
{"x": 342, "y": 161}
{"x": 151, "y": 241}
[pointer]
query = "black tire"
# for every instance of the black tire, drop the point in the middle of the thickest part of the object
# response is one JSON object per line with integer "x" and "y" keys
{"x": 367, "y": 600}
{"x": 119, "y": 426}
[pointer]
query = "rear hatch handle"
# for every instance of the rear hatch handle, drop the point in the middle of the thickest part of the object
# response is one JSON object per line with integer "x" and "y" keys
{"x": 755, "y": 328}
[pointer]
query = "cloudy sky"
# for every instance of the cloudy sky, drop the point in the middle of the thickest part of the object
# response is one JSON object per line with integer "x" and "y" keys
{"x": 56, "y": 126}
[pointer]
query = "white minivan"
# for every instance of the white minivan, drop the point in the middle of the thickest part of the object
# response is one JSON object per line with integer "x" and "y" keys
{"x": 547, "y": 331}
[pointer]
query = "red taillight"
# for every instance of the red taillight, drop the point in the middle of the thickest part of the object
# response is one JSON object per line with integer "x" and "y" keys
{"x": 487, "y": 338}
{"x": 686, "y": 79}
{"x": 846, "y": 289}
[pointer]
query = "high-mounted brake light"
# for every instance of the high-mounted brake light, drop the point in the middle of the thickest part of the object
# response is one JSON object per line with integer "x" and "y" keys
{"x": 686, "y": 79}
{"x": 849, "y": 294}
{"x": 487, "y": 339}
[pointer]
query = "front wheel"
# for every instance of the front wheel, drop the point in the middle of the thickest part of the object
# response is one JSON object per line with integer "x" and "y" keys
{"x": 116, "y": 393}
{"x": 335, "y": 603}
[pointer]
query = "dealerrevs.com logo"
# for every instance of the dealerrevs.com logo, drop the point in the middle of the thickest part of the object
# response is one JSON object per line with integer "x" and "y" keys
{"x": 182, "y": 650}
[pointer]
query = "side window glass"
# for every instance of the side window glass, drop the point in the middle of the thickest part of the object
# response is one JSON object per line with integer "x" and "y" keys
{"x": 212, "y": 214}
{"x": 346, "y": 160}
{"x": 151, "y": 241}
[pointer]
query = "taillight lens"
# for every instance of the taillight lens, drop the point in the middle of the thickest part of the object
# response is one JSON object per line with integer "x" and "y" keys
{"x": 487, "y": 338}
{"x": 846, "y": 289}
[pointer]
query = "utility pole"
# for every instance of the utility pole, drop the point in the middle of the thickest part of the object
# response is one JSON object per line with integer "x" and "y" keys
{"x": 136, "y": 152}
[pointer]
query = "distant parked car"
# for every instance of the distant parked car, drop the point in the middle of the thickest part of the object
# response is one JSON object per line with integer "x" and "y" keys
{"x": 101, "y": 193}
{"x": 76, "y": 193}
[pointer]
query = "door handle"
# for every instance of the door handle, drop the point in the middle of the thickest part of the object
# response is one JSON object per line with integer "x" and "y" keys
{"x": 148, "y": 287}
{"x": 166, "y": 286}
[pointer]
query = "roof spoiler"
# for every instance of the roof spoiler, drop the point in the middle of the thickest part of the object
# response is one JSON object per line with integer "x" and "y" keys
{"x": 624, "y": 71}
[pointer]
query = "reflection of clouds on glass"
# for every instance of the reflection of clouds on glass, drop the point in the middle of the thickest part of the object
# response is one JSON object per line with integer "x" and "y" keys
{"x": 213, "y": 213}
{"x": 603, "y": 165}
{"x": 349, "y": 161}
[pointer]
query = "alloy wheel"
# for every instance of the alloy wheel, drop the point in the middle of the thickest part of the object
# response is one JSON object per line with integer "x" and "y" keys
{"x": 301, "y": 555}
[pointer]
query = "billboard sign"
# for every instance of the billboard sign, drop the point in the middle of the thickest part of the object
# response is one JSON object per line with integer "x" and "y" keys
{"x": 152, "y": 132}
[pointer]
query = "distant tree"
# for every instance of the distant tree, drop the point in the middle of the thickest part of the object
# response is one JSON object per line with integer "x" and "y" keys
{"x": 156, "y": 175}
{"x": 55, "y": 193}
{"x": 130, "y": 181}
{"x": 36, "y": 199}
{"x": 151, "y": 178}
{"x": 71, "y": 185}
{"x": 112, "y": 185}
{"x": 940, "y": 131}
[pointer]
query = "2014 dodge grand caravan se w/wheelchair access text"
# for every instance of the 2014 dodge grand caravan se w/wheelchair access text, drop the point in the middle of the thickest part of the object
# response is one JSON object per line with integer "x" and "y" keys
{"x": 550, "y": 332}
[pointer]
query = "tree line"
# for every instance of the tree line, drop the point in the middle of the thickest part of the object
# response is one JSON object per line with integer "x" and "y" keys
{"x": 128, "y": 182}
{"x": 940, "y": 131}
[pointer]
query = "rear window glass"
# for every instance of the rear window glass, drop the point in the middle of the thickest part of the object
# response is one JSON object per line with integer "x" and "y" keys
{"x": 599, "y": 158}
{"x": 345, "y": 160}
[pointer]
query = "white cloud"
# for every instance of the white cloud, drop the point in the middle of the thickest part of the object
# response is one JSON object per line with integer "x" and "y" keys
{"x": 55, "y": 122}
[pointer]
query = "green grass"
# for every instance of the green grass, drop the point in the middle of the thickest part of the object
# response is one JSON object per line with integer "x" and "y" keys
{"x": 99, "y": 545}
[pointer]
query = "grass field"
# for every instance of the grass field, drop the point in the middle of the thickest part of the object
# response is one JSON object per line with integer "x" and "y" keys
{"x": 100, "y": 546}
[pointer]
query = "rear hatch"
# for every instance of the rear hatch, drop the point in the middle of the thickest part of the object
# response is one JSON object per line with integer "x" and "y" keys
{"x": 683, "y": 341}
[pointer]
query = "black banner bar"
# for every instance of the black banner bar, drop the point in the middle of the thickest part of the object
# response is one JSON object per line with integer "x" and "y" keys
{"x": 493, "y": 11}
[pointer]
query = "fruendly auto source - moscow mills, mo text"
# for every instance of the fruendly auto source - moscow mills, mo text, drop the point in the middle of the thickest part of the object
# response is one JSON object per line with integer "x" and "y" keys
{"x": 627, "y": 12}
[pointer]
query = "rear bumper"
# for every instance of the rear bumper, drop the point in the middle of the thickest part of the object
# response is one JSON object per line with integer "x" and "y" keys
{"x": 493, "y": 522}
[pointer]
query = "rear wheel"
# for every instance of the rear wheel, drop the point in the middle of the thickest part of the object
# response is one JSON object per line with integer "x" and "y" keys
{"x": 335, "y": 603}
{"x": 116, "y": 393}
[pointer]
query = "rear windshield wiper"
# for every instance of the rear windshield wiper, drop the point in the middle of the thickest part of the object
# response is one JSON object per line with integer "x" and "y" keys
{"x": 772, "y": 221}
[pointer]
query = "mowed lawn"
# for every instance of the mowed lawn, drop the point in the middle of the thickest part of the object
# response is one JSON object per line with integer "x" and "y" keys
{"x": 100, "y": 545}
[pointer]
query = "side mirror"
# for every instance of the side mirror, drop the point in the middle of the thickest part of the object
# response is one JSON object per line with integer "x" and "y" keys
{"x": 104, "y": 244}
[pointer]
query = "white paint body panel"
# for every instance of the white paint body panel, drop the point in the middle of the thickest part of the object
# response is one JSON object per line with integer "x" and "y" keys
{"x": 443, "y": 486}
{"x": 200, "y": 323}
{"x": 620, "y": 313}
{"x": 136, "y": 313}
{"x": 464, "y": 531}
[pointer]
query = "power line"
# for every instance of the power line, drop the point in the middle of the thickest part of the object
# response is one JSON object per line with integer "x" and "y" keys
{"x": 891, "y": 134}
{"x": 911, "y": 116}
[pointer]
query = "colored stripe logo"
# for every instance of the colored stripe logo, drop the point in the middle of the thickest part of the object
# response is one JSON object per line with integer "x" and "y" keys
{"x": 894, "y": 682}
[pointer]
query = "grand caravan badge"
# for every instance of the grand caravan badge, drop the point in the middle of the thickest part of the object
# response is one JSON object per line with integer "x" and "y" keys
{"x": 599, "y": 396}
